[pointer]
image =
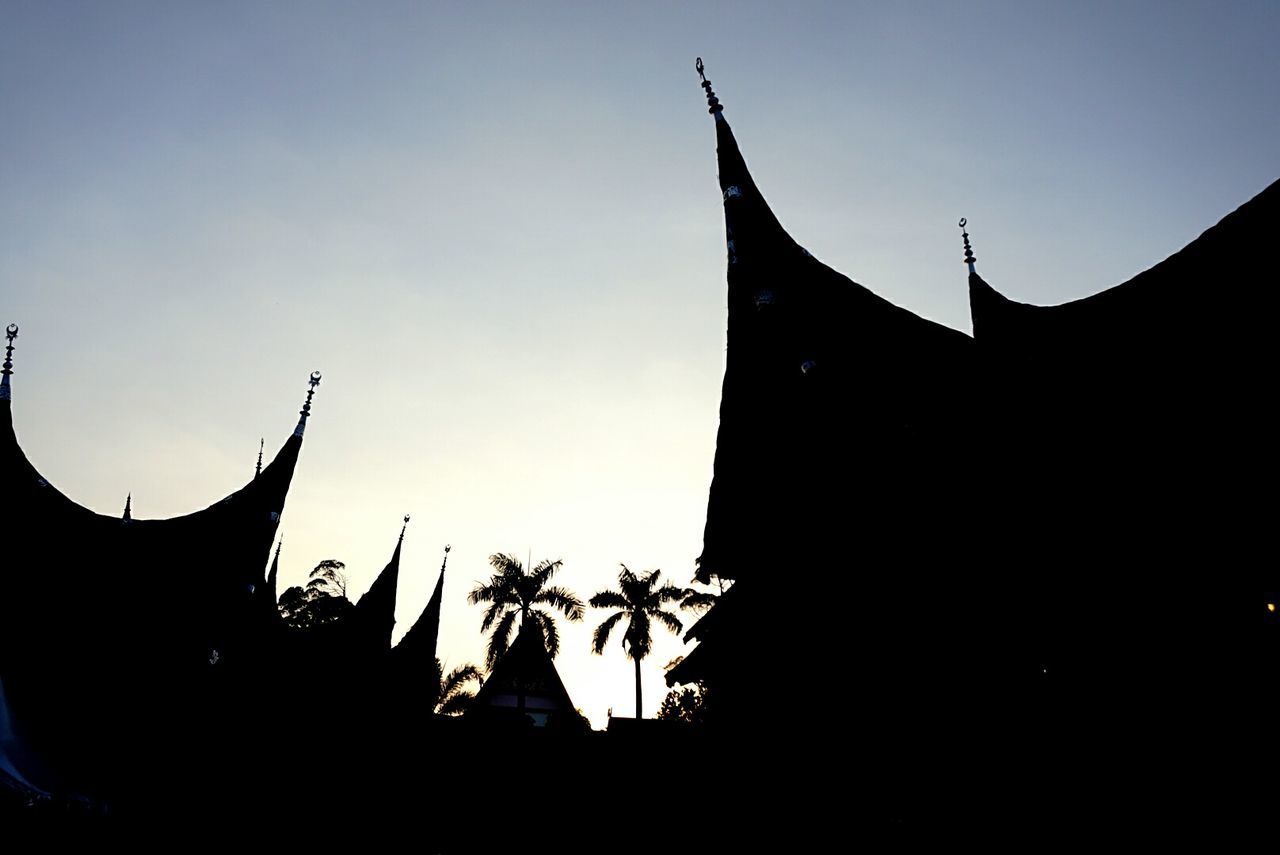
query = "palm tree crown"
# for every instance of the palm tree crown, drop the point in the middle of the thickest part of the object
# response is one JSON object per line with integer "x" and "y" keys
{"x": 512, "y": 593}
{"x": 640, "y": 599}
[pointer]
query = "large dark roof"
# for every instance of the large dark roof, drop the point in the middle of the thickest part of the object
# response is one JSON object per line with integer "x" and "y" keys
{"x": 828, "y": 388}
{"x": 106, "y": 623}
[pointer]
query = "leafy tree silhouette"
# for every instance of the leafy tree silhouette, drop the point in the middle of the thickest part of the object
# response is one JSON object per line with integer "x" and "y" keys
{"x": 322, "y": 600}
{"x": 685, "y": 703}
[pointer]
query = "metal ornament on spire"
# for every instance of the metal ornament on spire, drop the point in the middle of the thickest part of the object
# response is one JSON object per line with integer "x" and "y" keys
{"x": 403, "y": 527}
{"x": 969, "y": 257}
{"x": 306, "y": 407}
{"x": 713, "y": 103}
{"x": 128, "y": 508}
{"x": 10, "y": 333}
{"x": 261, "y": 443}
{"x": 443, "y": 563}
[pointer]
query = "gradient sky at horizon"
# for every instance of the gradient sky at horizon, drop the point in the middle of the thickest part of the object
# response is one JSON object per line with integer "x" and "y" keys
{"x": 496, "y": 229}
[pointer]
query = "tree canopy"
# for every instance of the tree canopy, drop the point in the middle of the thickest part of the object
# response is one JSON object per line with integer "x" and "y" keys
{"x": 321, "y": 601}
{"x": 512, "y": 593}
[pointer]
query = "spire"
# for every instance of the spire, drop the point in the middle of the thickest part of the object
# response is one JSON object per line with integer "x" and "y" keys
{"x": 10, "y": 333}
{"x": 306, "y": 407}
{"x": 417, "y": 650}
{"x": 969, "y": 257}
{"x": 377, "y": 608}
{"x": 713, "y": 103}
{"x": 261, "y": 443}
{"x": 752, "y": 232}
{"x": 128, "y": 507}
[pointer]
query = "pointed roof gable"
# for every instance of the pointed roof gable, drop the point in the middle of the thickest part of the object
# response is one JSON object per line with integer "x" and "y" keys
{"x": 123, "y": 610}
{"x": 376, "y": 609}
{"x": 418, "y": 647}
{"x": 527, "y": 667}
{"x": 1213, "y": 280}
{"x": 807, "y": 349}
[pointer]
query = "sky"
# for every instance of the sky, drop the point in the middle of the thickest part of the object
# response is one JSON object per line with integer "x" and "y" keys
{"x": 496, "y": 229}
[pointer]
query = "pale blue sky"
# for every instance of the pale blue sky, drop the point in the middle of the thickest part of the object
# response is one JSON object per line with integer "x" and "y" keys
{"x": 496, "y": 229}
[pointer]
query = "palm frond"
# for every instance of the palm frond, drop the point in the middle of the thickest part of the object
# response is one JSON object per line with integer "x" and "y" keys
{"x": 457, "y": 678}
{"x": 505, "y": 564}
{"x": 601, "y": 635}
{"x": 697, "y": 601}
{"x": 563, "y": 600}
{"x": 610, "y": 600}
{"x": 500, "y": 640}
{"x": 550, "y": 635}
{"x": 542, "y": 573}
{"x": 455, "y": 704}
{"x": 667, "y": 619}
{"x": 491, "y": 614}
{"x": 483, "y": 593}
{"x": 669, "y": 594}
{"x": 625, "y": 576}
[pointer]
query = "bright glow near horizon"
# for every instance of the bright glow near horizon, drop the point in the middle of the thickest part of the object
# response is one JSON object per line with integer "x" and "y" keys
{"x": 496, "y": 230}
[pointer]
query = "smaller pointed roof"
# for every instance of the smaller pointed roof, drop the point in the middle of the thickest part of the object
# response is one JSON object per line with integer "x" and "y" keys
{"x": 418, "y": 647}
{"x": 128, "y": 508}
{"x": 525, "y": 666}
{"x": 376, "y": 610}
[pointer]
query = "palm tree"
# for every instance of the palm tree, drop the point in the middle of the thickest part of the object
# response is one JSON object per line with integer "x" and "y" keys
{"x": 512, "y": 593}
{"x": 640, "y": 600}
{"x": 452, "y": 696}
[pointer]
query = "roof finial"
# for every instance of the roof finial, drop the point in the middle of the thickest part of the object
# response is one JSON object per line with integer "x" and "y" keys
{"x": 128, "y": 507}
{"x": 447, "y": 547}
{"x": 261, "y": 443}
{"x": 403, "y": 527}
{"x": 11, "y": 332}
{"x": 969, "y": 257}
{"x": 278, "y": 545}
{"x": 306, "y": 407}
{"x": 713, "y": 103}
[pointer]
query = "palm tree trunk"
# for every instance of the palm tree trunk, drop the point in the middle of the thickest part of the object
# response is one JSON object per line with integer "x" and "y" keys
{"x": 638, "y": 716}
{"x": 520, "y": 673}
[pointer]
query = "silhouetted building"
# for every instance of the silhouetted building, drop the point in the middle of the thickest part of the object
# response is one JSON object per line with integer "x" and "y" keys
{"x": 1008, "y": 546}
{"x": 416, "y": 652}
{"x": 113, "y": 630}
{"x": 843, "y": 473}
{"x": 525, "y": 683}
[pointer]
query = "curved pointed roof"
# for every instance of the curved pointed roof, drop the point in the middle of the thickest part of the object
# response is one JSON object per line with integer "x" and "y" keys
{"x": 126, "y": 610}
{"x": 418, "y": 647}
{"x": 1122, "y": 428}
{"x": 1216, "y": 276}
{"x": 375, "y": 613}
{"x": 827, "y": 386}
